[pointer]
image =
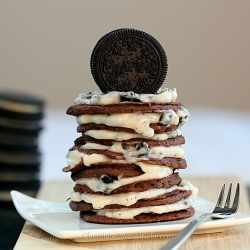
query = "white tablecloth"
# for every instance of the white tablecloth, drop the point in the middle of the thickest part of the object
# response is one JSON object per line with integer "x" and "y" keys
{"x": 217, "y": 143}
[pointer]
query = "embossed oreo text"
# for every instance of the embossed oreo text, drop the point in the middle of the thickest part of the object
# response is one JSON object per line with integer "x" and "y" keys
{"x": 130, "y": 63}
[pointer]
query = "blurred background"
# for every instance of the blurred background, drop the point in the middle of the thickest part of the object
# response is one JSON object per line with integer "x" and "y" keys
{"x": 45, "y": 49}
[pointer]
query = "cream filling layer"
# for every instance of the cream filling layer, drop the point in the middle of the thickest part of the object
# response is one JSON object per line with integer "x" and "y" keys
{"x": 14, "y": 123}
{"x": 19, "y": 107}
{"x": 130, "y": 152}
{"x": 123, "y": 136}
{"x": 140, "y": 122}
{"x": 75, "y": 157}
{"x": 130, "y": 213}
{"x": 150, "y": 172}
{"x": 97, "y": 98}
{"x": 127, "y": 199}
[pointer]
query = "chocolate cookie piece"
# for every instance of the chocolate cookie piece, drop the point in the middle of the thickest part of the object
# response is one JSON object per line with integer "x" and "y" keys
{"x": 122, "y": 108}
{"x": 28, "y": 187}
{"x": 10, "y": 176}
{"x": 137, "y": 186}
{"x": 128, "y": 60}
{"x": 141, "y": 218}
{"x": 19, "y": 158}
{"x": 168, "y": 198}
{"x": 15, "y": 141}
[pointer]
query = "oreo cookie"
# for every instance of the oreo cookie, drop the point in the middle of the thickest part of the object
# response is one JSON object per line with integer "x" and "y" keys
{"x": 17, "y": 105}
{"x": 20, "y": 159}
{"x": 129, "y": 60}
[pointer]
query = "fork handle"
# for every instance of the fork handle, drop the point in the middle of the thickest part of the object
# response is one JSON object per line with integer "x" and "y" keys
{"x": 184, "y": 234}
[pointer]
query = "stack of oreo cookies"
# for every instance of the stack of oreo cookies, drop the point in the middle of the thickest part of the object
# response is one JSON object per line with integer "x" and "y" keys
{"x": 20, "y": 125}
{"x": 125, "y": 164}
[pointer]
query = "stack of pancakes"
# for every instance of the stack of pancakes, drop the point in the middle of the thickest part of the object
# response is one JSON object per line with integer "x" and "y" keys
{"x": 20, "y": 125}
{"x": 125, "y": 163}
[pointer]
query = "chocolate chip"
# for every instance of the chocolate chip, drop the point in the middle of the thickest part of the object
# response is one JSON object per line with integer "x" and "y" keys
{"x": 108, "y": 179}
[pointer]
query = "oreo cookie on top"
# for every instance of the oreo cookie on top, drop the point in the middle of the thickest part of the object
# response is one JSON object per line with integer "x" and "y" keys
{"x": 129, "y": 60}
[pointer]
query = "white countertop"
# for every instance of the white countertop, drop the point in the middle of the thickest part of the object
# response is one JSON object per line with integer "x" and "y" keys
{"x": 217, "y": 143}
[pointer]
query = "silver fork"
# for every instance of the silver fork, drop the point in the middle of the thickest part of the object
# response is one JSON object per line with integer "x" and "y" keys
{"x": 219, "y": 211}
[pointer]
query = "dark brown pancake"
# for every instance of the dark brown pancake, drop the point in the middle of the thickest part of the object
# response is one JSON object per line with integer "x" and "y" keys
{"x": 169, "y": 162}
{"x": 141, "y": 218}
{"x": 121, "y": 170}
{"x": 158, "y": 128}
{"x": 179, "y": 140}
{"x": 138, "y": 186}
{"x": 122, "y": 108}
{"x": 168, "y": 198}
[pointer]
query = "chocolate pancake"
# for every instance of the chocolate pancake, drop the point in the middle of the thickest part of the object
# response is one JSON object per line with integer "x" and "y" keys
{"x": 169, "y": 162}
{"x": 121, "y": 170}
{"x": 141, "y": 218}
{"x": 168, "y": 198}
{"x": 137, "y": 186}
{"x": 122, "y": 108}
{"x": 120, "y": 156}
{"x": 132, "y": 142}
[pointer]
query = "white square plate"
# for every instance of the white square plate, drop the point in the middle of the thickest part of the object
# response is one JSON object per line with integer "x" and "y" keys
{"x": 58, "y": 220}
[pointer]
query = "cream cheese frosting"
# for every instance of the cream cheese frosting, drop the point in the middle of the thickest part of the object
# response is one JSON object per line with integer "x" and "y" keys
{"x": 113, "y": 97}
{"x": 139, "y": 122}
{"x": 131, "y": 151}
{"x": 122, "y": 136}
{"x": 126, "y": 199}
{"x": 130, "y": 213}
{"x": 75, "y": 157}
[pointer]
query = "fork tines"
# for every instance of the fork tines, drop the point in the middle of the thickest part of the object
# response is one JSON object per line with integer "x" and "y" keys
{"x": 220, "y": 202}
